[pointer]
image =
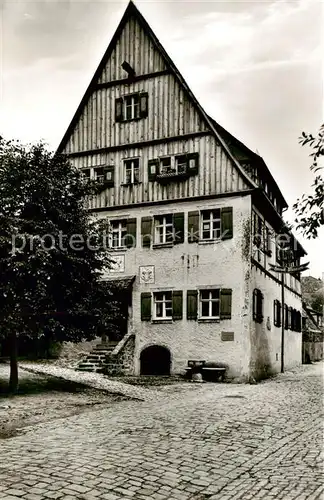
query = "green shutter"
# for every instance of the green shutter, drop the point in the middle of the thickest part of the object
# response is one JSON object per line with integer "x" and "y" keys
{"x": 227, "y": 223}
{"x": 226, "y": 303}
{"x": 178, "y": 222}
{"x": 153, "y": 169}
{"x": 143, "y": 104}
{"x": 119, "y": 109}
{"x": 193, "y": 226}
{"x": 146, "y": 231}
{"x": 177, "y": 304}
{"x": 130, "y": 239}
{"x": 193, "y": 163}
{"x": 192, "y": 304}
{"x": 146, "y": 306}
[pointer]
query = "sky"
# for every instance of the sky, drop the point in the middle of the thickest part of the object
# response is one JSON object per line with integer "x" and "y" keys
{"x": 255, "y": 66}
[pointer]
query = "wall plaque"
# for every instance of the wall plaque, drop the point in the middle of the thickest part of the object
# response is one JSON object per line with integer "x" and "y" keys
{"x": 227, "y": 336}
{"x": 118, "y": 264}
{"x": 147, "y": 274}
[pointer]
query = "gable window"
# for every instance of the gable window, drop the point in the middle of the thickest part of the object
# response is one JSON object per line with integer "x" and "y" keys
{"x": 162, "y": 305}
{"x": 164, "y": 232}
{"x": 131, "y": 107}
{"x": 209, "y": 301}
{"x": 131, "y": 171}
{"x": 118, "y": 233}
{"x": 211, "y": 224}
{"x": 257, "y": 305}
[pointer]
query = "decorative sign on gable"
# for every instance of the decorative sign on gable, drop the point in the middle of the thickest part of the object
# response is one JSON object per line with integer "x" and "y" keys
{"x": 227, "y": 336}
{"x": 147, "y": 274}
{"x": 118, "y": 264}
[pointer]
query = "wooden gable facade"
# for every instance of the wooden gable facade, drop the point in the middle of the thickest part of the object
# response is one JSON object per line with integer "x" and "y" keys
{"x": 171, "y": 124}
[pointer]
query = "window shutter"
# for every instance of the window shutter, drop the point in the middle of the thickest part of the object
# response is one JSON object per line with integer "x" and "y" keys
{"x": 298, "y": 321}
{"x": 178, "y": 222}
{"x": 119, "y": 109}
{"x": 286, "y": 317}
{"x": 153, "y": 169}
{"x": 177, "y": 304}
{"x": 277, "y": 313}
{"x": 290, "y": 313}
{"x": 193, "y": 226}
{"x": 130, "y": 239}
{"x": 109, "y": 173}
{"x": 227, "y": 223}
{"x": 144, "y": 105}
{"x": 146, "y": 306}
{"x": 226, "y": 303}
{"x": 192, "y": 304}
{"x": 146, "y": 231}
{"x": 193, "y": 163}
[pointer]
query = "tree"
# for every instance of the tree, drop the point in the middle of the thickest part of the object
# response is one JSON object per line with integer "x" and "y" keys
{"x": 52, "y": 253}
{"x": 310, "y": 209}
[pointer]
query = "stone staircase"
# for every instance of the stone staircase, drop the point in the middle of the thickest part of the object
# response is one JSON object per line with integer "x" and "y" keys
{"x": 97, "y": 358}
{"x": 111, "y": 358}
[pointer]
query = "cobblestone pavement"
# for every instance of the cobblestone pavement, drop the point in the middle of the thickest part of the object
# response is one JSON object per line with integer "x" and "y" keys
{"x": 197, "y": 442}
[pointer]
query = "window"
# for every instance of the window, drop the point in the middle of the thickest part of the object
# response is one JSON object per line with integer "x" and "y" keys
{"x": 162, "y": 305}
{"x": 163, "y": 229}
{"x": 211, "y": 224}
{"x": 261, "y": 236}
{"x": 131, "y": 107}
{"x": 86, "y": 174}
{"x": 131, "y": 171}
{"x": 257, "y": 305}
{"x": 118, "y": 233}
{"x": 209, "y": 304}
{"x": 181, "y": 164}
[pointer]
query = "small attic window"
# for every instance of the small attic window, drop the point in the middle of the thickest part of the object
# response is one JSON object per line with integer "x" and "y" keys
{"x": 127, "y": 67}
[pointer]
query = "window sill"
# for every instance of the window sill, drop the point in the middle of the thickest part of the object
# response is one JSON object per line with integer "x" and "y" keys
{"x": 117, "y": 249}
{"x": 162, "y": 245}
{"x": 208, "y": 320}
{"x": 128, "y": 184}
{"x": 206, "y": 242}
{"x": 162, "y": 320}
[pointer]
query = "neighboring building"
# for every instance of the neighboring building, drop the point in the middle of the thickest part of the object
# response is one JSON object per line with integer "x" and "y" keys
{"x": 200, "y": 210}
{"x": 313, "y": 334}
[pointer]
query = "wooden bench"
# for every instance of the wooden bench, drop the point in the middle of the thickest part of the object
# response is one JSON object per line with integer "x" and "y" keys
{"x": 198, "y": 366}
{"x": 219, "y": 372}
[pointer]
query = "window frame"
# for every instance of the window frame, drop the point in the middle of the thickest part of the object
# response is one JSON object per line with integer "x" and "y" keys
{"x": 161, "y": 222}
{"x": 210, "y": 300}
{"x": 134, "y": 166}
{"x": 163, "y": 301}
{"x": 211, "y": 221}
{"x": 122, "y": 225}
{"x": 134, "y": 106}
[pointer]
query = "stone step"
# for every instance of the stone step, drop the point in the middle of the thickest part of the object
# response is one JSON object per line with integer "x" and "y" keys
{"x": 90, "y": 370}
{"x": 94, "y": 357}
{"x": 107, "y": 346}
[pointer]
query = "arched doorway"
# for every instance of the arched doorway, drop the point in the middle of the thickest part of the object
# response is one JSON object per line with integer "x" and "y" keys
{"x": 155, "y": 360}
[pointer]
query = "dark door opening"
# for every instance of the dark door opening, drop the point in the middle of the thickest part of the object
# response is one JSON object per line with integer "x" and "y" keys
{"x": 155, "y": 360}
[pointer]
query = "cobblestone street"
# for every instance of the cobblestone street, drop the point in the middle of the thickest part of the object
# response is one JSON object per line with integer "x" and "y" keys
{"x": 198, "y": 442}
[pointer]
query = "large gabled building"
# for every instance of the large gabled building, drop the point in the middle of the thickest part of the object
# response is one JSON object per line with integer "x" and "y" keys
{"x": 194, "y": 214}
